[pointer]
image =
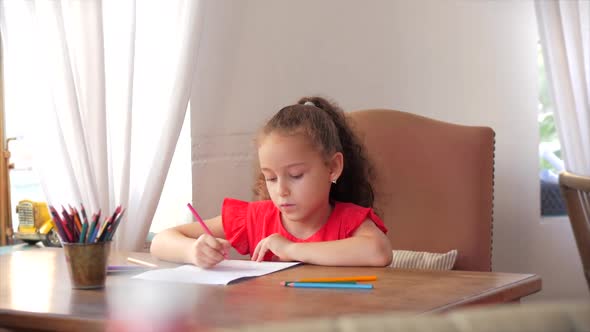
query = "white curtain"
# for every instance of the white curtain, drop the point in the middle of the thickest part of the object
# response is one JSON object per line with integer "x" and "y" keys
{"x": 107, "y": 84}
{"x": 564, "y": 28}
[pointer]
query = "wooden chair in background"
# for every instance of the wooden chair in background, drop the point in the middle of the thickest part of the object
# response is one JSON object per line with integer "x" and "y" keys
{"x": 434, "y": 183}
{"x": 576, "y": 191}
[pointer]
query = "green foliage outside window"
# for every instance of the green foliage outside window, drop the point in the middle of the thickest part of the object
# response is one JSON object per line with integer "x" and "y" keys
{"x": 547, "y": 129}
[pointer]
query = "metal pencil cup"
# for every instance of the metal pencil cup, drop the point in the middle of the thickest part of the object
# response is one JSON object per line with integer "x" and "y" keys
{"x": 87, "y": 263}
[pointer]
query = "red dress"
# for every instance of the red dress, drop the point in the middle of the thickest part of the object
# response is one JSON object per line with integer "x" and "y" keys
{"x": 247, "y": 223}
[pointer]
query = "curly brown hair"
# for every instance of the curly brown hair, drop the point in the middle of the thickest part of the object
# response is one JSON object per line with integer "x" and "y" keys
{"x": 325, "y": 124}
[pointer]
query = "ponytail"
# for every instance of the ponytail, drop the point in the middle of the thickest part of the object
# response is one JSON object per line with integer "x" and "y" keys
{"x": 327, "y": 127}
{"x": 354, "y": 184}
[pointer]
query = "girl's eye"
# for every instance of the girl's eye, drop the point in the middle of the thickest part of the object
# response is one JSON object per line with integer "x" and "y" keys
{"x": 298, "y": 176}
{"x": 270, "y": 179}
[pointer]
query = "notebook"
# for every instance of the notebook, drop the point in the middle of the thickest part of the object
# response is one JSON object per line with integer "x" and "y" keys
{"x": 221, "y": 274}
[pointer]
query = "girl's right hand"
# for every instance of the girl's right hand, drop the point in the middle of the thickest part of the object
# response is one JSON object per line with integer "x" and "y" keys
{"x": 207, "y": 251}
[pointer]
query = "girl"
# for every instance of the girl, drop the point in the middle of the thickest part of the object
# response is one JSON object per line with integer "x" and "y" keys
{"x": 317, "y": 207}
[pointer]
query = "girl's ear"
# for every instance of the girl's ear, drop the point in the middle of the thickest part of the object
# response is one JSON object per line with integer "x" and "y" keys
{"x": 336, "y": 165}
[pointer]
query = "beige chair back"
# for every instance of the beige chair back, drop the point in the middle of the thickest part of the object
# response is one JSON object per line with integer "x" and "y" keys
{"x": 434, "y": 183}
{"x": 576, "y": 191}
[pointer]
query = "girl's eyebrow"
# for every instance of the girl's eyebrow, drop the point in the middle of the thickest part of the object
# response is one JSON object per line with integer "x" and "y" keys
{"x": 288, "y": 166}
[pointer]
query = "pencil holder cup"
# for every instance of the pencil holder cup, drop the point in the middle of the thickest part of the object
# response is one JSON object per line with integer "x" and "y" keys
{"x": 87, "y": 263}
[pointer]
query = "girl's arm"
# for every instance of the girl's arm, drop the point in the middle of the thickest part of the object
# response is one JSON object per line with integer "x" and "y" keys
{"x": 179, "y": 244}
{"x": 367, "y": 247}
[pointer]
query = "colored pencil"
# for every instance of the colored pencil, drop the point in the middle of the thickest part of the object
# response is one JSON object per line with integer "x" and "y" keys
{"x": 58, "y": 224}
{"x": 60, "y": 231}
{"x": 69, "y": 237}
{"x": 125, "y": 268}
{"x": 332, "y": 282}
{"x": 82, "y": 238}
{"x": 92, "y": 228}
{"x": 115, "y": 225}
{"x": 200, "y": 220}
{"x": 326, "y": 285}
{"x": 68, "y": 225}
{"x": 73, "y": 226}
{"x": 77, "y": 219}
{"x": 83, "y": 212}
{"x": 356, "y": 278}
{"x": 103, "y": 236}
{"x": 114, "y": 216}
{"x": 140, "y": 262}
{"x": 190, "y": 207}
{"x": 100, "y": 234}
{"x": 96, "y": 228}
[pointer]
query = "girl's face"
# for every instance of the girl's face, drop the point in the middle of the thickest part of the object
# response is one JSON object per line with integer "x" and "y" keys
{"x": 298, "y": 179}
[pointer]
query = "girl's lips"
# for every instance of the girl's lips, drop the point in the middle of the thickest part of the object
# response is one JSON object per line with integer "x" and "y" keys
{"x": 287, "y": 206}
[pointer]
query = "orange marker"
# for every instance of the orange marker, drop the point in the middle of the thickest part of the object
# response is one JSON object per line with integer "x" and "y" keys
{"x": 337, "y": 279}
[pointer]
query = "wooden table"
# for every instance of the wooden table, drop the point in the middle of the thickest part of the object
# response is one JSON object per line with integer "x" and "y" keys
{"x": 35, "y": 293}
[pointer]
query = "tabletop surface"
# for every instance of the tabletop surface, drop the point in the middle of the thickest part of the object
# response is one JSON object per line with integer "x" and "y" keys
{"x": 35, "y": 291}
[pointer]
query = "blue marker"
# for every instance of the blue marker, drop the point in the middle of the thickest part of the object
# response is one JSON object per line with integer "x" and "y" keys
{"x": 326, "y": 285}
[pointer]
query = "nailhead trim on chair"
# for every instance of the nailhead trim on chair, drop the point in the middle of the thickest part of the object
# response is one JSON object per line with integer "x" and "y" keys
{"x": 493, "y": 196}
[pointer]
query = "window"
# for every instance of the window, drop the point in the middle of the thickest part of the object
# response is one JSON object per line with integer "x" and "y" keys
{"x": 550, "y": 159}
{"x": 24, "y": 181}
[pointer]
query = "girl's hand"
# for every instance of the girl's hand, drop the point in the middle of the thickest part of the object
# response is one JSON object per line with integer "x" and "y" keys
{"x": 207, "y": 251}
{"x": 275, "y": 243}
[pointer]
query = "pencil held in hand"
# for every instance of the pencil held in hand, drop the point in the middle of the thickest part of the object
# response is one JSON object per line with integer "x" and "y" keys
{"x": 200, "y": 220}
{"x": 190, "y": 207}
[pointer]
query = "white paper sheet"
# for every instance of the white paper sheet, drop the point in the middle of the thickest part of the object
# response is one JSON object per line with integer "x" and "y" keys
{"x": 221, "y": 274}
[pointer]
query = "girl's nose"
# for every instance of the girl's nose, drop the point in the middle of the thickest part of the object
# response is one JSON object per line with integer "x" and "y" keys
{"x": 283, "y": 188}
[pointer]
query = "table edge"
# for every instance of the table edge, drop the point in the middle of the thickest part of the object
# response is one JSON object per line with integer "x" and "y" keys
{"x": 508, "y": 293}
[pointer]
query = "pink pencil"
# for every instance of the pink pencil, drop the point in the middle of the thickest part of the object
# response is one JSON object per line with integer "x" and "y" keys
{"x": 190, "y": 207}
{"x": 199, "y": 219}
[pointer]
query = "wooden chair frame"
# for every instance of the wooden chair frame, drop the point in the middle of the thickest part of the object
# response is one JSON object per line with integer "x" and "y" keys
{"x": 576, "y": 191}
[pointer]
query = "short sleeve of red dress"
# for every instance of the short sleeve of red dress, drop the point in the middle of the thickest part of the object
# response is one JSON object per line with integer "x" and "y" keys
{"x": 352, "y": 216}
{"x": 233, "y": 216}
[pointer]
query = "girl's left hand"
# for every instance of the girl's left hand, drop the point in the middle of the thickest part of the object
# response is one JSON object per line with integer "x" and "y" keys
{"x": 275, "y": 243}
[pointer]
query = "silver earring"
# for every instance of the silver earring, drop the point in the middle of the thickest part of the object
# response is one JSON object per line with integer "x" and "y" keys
{"x": 334, "y": 181}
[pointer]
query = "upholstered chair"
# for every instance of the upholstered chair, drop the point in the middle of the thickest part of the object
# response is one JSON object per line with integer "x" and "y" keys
{"x": 433, "y": 183}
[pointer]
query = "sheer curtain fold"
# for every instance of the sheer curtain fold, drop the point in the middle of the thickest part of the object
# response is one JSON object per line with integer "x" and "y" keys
{"x": 144, "y": 204}
{"x": 564, "y": 28}
{"x": 114, "y": 88}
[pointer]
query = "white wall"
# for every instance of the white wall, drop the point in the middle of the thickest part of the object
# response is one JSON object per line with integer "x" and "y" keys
{"x": 469, "y": 62}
